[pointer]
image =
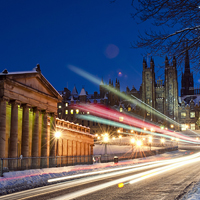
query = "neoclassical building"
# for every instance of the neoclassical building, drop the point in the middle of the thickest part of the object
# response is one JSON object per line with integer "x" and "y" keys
{"x": 28, "y": 110}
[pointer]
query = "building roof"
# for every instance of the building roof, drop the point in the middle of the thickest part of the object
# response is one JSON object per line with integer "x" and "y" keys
{"x": 83, "y": 93}
{"x": 74, "y": 91}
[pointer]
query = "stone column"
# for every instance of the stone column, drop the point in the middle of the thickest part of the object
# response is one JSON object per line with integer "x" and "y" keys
{"x": 25, "y": 131}
{"x": 14, "y": 129}
{"x": 2, "y": 127}
{"x": 13, "y": 147}
{"x": 25, "y": 135}
{"x": 44, "y": 140}
{"x": 53, "y": 140}
{"x": 35, "y": 137}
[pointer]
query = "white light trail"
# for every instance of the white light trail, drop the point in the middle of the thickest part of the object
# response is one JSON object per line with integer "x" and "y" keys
{"x": 132, "y": 179}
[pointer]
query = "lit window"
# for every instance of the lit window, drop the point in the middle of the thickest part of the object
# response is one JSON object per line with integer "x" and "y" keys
{"x": 59, "y": 106}
{"x": 129, "y": 109}
{"x": 192, "y": 114}
{"x": 77, "y": 111}
{"x": 59, "y": 113}
{"x": 66, "y": 112}
{"x": 183, "y": 114}
{"x": 183, "y": 127}
{"x": 88, "y": 113}
{"x": 72, "y": 111}
{"x": 66, "y": 104}
{"x": 192, "y": 126}
{"x": 148, "y": 114}
{"x": 121, "y": 109}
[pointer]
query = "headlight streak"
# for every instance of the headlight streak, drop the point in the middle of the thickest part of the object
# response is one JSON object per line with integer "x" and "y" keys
{"x": 114, "y": 115}
{"x": 137, "y": 166}
{"x": 120, "y": 94}
{"x": 113, "y": 123}
{"x": 131, "y": 179}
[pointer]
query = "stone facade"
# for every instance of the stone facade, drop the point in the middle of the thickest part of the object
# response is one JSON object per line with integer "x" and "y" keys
{"x": 28, "y": 110}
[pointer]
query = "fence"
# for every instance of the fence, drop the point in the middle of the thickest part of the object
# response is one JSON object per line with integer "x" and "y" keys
{"x": 16, "y": 164}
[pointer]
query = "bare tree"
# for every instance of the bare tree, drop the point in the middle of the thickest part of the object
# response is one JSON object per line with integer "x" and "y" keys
{"x": 177, "y": 29}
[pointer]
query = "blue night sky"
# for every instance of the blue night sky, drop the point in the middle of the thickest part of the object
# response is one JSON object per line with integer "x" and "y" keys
{"x": 93, "y": 35}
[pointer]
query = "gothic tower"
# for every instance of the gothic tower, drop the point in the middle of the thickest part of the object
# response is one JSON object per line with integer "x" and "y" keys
{"x": 171, "y": 90}
{"x": 148, "y": 87}
{"x": 187, "y": 82}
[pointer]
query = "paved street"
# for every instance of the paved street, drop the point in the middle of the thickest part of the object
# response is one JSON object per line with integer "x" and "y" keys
{"x": 153, "y": 180}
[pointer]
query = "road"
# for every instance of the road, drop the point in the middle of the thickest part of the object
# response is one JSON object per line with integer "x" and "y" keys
{"x": 153, "y": 180}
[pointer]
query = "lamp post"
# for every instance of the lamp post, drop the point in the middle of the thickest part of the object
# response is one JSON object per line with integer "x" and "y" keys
{"x": 150, "y": 141}
{"x": 177, "y": 141}
{"x": 57, "y": 136}
{"x": 132, "y": 142}
{"x": 105, "y": 139}
{"x": 162, "y": 141}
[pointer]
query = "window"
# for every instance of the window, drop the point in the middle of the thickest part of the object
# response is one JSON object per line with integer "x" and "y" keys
{"x": 59, "y": 113}
{"x": 147, "y": 101}
{"x": 59, "y": 106}
{"x": 66, "y": 112}
{"x": 77, "y": 111}
{"x": 183, "y": 114}
{"x": 72, "y": 111}
{"x": 147, "y": 76}
{"x": 192, "y": 126}
{"x": 121, "y": 109}
{"x": 66, "y": 104}
{"x": 148, "y": 113}
{"x": 183, "y": 127}
{"x": 88, "y": 113}
{"x": 148, "y": 88}
{"x": 192, "y": 114}
{"x": 129, "y": 109}
{"x": 88, "y": 123}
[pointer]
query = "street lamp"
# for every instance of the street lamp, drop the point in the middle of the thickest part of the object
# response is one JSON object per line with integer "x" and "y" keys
{"x": 162, "y": 141}
{"x": 132, "y": 142}
{"x": 57, "y": 136}
{"x": 139, "y": 143}
{"x": 177, "y": 141}
{"x": 150, "y": 141}
{"x": 105, "y": 139}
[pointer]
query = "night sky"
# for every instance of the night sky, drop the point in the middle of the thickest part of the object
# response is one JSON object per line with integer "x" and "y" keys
{"x": 93, "y": 35}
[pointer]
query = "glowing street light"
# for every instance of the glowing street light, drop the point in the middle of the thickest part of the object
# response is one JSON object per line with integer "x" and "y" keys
{"x": 98, "y": 137}
{"x": 145, "y": 129}
{"x": 57, "y": 134}
{"x": 132, "y": 142}
{"x": 113, "y": 138}
{"x": 139, "y": 143}
{"x": 105, "y": 139}
{"x": 150, "y": 141}
{"x": 162, "y": 141}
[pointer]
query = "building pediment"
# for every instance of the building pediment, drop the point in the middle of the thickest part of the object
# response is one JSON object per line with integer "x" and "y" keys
{"x": 31, "y": 80}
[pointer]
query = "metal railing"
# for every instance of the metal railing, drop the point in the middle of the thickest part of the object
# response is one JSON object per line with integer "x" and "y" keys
{"x": 16, "y": 164}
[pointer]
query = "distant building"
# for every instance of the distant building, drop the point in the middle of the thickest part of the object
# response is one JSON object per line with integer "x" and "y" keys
{"x": 161, "y": 95}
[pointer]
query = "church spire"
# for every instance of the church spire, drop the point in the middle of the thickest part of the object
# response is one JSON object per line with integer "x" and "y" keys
{"x": 187, "y": 61}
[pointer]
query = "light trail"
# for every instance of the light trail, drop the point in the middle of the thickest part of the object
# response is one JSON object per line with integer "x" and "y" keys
{"x": 117, "y": 124}
{"x": 141, "y": 104}
{"x": 140, "y": 166}
{"x": 131, "y": 179}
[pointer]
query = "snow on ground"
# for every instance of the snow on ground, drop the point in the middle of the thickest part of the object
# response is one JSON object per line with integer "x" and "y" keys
{"x": 193, "y": 194}
{"x": 20, "y": 180}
